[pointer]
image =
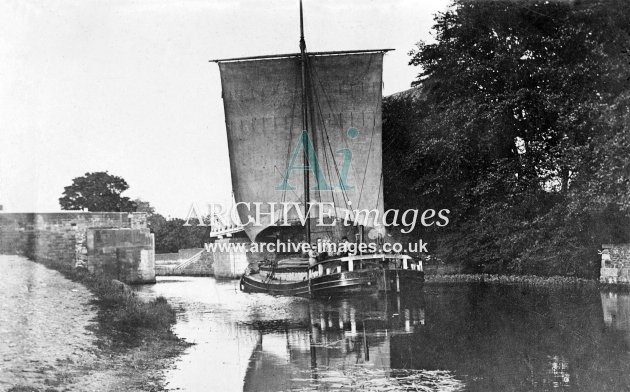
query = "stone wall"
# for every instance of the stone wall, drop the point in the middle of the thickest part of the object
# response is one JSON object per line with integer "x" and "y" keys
{"x": 59, "y": 238}
{"x": 124, "y": 254}
{"x": 166, "y": 258}
{"x": 615, "y": 266}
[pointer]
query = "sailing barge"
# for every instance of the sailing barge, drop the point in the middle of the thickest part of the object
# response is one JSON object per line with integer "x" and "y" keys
{"x": 360, "y": 274}
{"x": 319, "y": 114}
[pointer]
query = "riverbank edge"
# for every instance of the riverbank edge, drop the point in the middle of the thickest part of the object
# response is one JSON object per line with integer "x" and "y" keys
{"x": 508, "y": 279}
{"x": 128, "y": 328}
{"x": 529, "y": 280}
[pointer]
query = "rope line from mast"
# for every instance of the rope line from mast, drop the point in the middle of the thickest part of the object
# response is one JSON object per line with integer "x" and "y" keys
{"x": 325, "y": 133}
{"x": 288, "y": 156}
{"x": 332, "y": 110}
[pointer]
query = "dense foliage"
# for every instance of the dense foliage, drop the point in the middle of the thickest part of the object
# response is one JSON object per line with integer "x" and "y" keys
{"x": 97, "y": 192}
{"x": 171, "y": 235}
{"x": 518, "y": 124}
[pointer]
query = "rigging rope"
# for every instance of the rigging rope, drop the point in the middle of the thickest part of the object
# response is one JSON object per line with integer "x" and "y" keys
{"x": 295, "y": 94}
{"x": 327, "y": 99}
{"x": 325, "y": 132}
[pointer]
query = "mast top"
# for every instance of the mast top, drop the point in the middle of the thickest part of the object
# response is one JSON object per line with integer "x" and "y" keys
{"x": 302, "y": 41}
{"x": 303, "y": 51}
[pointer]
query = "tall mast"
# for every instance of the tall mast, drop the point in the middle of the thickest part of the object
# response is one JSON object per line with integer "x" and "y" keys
{"x": 305, "y": 141}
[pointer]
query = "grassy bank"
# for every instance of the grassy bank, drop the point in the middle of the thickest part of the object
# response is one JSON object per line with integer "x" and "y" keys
{"x": 510, "y": 279}
{"x": 120, "y": 310}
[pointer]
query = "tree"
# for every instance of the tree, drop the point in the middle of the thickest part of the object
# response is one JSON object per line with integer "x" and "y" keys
{"x": 97, "y": 192}
{"x": 171, "y": 235}
{"x": 144, "y": 206}
{"x": 521, "y": 132}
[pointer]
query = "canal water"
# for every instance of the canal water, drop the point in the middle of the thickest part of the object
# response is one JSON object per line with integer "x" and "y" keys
{"x": 464, "y": 337}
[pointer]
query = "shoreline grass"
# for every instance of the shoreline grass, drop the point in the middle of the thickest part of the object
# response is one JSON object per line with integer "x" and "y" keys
{"x": 121, "y": 312}
{"x": 531, "y": 280}
{"x": 527, "y": 280}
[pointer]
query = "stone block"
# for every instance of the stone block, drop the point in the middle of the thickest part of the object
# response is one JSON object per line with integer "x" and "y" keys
{"x": 124, "y": 254}
{"x": 609, "y": 275}
{"x": 615, "y": 263}
{"x": 230, "y": 264}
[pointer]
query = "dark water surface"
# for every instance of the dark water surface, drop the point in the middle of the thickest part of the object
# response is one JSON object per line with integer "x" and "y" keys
{"x": 466, "y": 337}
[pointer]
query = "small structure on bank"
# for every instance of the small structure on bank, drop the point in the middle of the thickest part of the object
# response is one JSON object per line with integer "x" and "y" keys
{"x": 615, "y": 267}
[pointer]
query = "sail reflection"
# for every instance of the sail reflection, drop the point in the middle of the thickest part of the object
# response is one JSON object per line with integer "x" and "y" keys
{"x": 346, "y": 346}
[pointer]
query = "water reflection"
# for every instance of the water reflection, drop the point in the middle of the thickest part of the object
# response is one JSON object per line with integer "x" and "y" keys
{"x": 616, "y": 307}
{"x": 462, "y": 337}
{"x": 347, "y": 346}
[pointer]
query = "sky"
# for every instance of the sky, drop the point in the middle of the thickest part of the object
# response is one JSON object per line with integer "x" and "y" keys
{"x": 126, "y": 86}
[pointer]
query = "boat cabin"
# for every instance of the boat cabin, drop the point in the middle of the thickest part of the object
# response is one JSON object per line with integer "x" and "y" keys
{"x": 363, "y": 262}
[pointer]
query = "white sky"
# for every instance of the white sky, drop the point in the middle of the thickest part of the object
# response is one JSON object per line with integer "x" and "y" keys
{"x": 126, "y": 86}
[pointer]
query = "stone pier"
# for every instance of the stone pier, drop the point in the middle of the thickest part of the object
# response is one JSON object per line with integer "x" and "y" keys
{"x": 231, "y": 265}
{"x": 615, "y": 266}
{"x": 115, "y": 244}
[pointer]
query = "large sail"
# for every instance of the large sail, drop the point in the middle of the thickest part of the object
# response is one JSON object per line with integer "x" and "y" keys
{"x": 262, "y": 100}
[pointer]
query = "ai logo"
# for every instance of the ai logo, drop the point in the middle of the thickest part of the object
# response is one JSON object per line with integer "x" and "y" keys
{"x": 306, "y": 145}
